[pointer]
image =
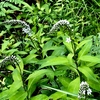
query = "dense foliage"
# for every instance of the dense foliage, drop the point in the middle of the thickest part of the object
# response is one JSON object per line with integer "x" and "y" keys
{"x": 49, "y": 50}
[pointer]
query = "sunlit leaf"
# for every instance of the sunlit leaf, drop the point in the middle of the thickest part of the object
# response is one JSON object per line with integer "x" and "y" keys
{"x": 19, "y": 95}
{"x": 4, "y": 95}
{"x": 85, "y": 49}
{"x": 36, "y": 76}
{"x": 11, "y": 51}
{"x": 64, "y": 81}
{"x": 54, "y": 61}
{"x": 21, "y": 52}
{"x": 88, "y": 73}
{"x": 74, "y": 85}
{"x": 82, "y": 43}
{"x": 70, "y": 60}
{"x": 5, "y": 45}
{"x": 14, "y": 87}
{"x": 88, "y": 58}
{"x": 16, "y": 44}
{"x": 30, "y": 59}
{"x": 95, "y": 85}
{"x": 48, "y": 46}
{"x": 59, "y": 51}
{"x": 16, "y": 75}
{"x": 57, "y": 95}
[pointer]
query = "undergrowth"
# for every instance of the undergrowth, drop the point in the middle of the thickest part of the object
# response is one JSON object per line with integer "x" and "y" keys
{"x": 49, "y": 50}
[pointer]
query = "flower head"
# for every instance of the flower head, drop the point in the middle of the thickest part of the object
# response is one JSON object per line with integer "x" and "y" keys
{"x": 26, "y": 28}
{"x": 84, "y": 90}
{"x": 59, "y": 24}
{"x": 9, "y": 59}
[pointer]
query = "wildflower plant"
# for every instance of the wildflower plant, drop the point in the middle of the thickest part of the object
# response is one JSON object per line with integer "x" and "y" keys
{"x": 77, "y": 59}
{"x": 52, "y": 66}
{"x": 65, "y": 57}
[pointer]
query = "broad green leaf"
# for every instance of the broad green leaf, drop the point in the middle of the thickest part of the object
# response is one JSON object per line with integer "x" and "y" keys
{"x": 54, "y": 61}
{"x": 61, "y": 71}
{"x": 16, "y": 75}
{"x": 21, "y": 65}
{"x": 10, "y": 67}
{"x": 90, "y": 64}
{"x": 57, "y": 95}
{"x": 82, "y": 43}
{"x": 70, "y": 60}
{"x": 16, "y": 44}
{"x": 39, "y": 97}
{"x": 44, "y": 39}
{"x": 64, "y": 81}
{"x": 94, "y": 85}
{"x": 21, "y": 52}
{"x": 73, "y": 86}
{"x": 32, "y": 89}
{"x": 5, "y": 45}
{"x": 36, "y": 76}
{"x": 88, "y": 73}
{"x": 30, "y": 59}
{"x": 17, "y": 78}
{"x": 88, "y": 58}
{"x": 14, "y": 87}
{"x": 20, "y": 95}
{"x": 10, "y": 52}
{"x": 59, "y": 51}
{"x": 40, "y": 73}
{"x": 85, "y": 49}
{"x": 4, "y": 95}
{"x": 10, "y": 92}
{"x": 48, "y": 46}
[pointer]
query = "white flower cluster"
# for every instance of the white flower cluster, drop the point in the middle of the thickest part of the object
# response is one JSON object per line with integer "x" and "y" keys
{"x": 68, "y": 40}
{"x": 84, "y": 90}
{"x": 9, "y": 59}
{"x": 59, "y": 24}
{"x": 26, "y": 28}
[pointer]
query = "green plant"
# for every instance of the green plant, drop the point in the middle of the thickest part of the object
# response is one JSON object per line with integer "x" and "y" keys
{"x": 4, "y": 5}
{"x": 53, "y": 60}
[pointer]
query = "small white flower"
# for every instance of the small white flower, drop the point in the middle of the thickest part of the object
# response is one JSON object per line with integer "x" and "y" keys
{"x": 68, "y": 40}
{"x": 83, "y": 92}
{"x": 89, "y": 91}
